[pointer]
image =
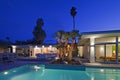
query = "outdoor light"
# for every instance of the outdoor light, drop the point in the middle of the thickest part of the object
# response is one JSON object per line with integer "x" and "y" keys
{"x": 101, "y": 48}
{"x": 6, "y": 73}
{"x": 114, "y": 51}
{"x": 13, "y": 46}
{"x": 36, "y": 47}
{"x": 50, "y": 46}
{"x": 66, "y": 54}
{"x": 56, "y": 58}
{"x": 43, "y": 46}
{"x": 92, "y": 42}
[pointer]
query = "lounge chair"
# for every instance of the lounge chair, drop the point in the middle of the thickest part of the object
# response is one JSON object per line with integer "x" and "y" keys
{"x": 6, "y": 59}
{"x": 41, "y": 56}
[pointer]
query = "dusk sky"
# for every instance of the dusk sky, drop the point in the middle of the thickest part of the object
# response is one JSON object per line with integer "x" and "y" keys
{"x": 18, "y": 17}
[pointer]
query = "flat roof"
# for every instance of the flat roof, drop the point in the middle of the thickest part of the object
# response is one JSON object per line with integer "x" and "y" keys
{"x": 100, "y": 32}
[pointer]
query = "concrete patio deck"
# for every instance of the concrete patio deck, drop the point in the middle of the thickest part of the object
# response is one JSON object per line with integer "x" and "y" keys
{"x": 102, "y": 65}
{"x": 20, "y": 63}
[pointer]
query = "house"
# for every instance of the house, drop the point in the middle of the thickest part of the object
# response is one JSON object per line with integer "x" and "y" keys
{"x": 32, "y": 50}
{"x": 100, "y": 46}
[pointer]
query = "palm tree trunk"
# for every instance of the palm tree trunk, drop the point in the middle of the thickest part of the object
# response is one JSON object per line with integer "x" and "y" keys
{"x": 71, "y": 50}
{"x": 73, "y": 23}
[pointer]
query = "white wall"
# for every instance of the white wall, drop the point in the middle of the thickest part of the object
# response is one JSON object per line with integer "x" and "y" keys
{"x": 108, "y": 50}
{"x": 80, "y": 51}
{"x": 92, "y": 50}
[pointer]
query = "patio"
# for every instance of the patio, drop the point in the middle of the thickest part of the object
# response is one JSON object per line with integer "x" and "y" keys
{"x": 20, "y": 63}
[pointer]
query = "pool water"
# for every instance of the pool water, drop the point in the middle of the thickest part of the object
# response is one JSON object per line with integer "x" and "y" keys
{"x": 39, "y": 72}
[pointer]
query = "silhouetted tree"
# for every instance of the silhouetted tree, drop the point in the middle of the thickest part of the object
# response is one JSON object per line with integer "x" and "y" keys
{"x": 3, "y": 44}
{"x": 73, "y": 12}
{"x": 8, "y": 39}
{"x": 38, "y": 32}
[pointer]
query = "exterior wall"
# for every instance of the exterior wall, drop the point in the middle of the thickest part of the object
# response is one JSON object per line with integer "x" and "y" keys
{"x": 86, "y": 53}
{"x": 107, "y": 40}
{"x": 31, "y": 51}
{"x": 80, "y": 51}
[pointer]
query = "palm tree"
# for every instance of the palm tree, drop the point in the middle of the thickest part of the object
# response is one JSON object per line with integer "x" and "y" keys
{"x": 74, "y": 34}
{"x": 73, "y": 12}
{"x": 66, "y": 37}
{"x": 59, "y": 36}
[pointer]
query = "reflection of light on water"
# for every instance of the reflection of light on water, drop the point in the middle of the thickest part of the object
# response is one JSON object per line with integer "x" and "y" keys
{"x": 6, "y": 73}
{"x": 92, "y": 78}
{"x": 36, "y": 68}
{"x": 114, "y": 70}
{"x": 14, "y": 71}
{"x": 101, "y": 70}
{"x": 111, "y": 79}
{"x": 43, "y": 70}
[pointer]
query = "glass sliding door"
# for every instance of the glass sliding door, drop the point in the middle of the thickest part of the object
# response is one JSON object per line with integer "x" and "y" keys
{"x": 119, "y": 53}
{"x": 105, "y": 53}
{"x": 99, "y": 53}
{"x": 110, "y": 53}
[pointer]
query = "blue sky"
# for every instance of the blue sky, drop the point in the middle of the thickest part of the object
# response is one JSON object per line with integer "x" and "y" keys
{"x": 18, "y": 17}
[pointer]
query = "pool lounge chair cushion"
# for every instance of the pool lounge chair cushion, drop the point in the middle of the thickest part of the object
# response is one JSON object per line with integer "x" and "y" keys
{"x": 7, "y": 60}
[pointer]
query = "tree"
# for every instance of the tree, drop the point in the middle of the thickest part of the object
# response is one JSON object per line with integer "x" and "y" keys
{"x": 63, "y": 46}
{"x": 8, "y": 39}
{"x": 38, "y": 32}
{"x": 73, "y": 13}
{"x": 74, "y": 34}
{"x": 3, "y": 44}
{"x": 59, "y": 36}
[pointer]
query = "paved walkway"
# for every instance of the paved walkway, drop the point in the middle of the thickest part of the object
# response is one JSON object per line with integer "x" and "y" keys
{"x": 102, "y": 65}
{"x": 19, "y": 63}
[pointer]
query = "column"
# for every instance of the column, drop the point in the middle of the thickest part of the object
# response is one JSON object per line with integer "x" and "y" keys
{"x": 14, "y": 49}
{"x": 105, "y": 61}
{"x": 31, "y": 51}
{"x": 117, "y": 49}
{"x": 92, "y": 50}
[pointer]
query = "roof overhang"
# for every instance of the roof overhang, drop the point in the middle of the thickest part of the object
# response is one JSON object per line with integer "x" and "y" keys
{"x": 100, "y": 34}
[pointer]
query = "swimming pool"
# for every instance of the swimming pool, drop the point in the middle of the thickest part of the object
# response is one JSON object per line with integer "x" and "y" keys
{"x": 41, "y": 72}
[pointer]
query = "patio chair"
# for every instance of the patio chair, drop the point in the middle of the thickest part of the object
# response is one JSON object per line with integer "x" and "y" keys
{"x": 6, "y": 59}
{"x": 41, "y": 56}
